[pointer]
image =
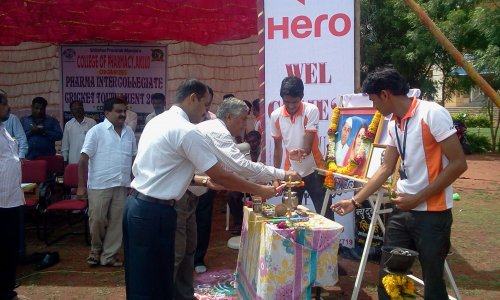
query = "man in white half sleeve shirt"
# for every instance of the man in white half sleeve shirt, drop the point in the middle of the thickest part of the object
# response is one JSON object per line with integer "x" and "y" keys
{"x": 74, "y": 133}
{"x": 106, "y": 157}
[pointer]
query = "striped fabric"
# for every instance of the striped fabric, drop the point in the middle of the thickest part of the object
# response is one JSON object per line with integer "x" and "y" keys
{"x": 11, "y": 194}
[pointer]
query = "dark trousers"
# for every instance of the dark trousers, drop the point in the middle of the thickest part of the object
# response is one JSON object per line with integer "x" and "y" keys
{"x": 9, "y": 235}
{"x": 185, "y": 246}
{"x": 22, "y": 241}
{"x": 203, "y": 225}
{"x": 149, "y": 241}
{"x": 428, "y": 233}
{"x": 235, "y": 203}
{"x": 313, "y": 183}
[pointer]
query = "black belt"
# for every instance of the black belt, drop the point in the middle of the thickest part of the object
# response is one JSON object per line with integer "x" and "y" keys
{"x": 151, "y": 199}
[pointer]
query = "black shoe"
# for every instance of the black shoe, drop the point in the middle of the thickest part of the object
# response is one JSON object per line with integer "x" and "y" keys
{"x": 49, "y": 260}
{"x": 33, "y": 258}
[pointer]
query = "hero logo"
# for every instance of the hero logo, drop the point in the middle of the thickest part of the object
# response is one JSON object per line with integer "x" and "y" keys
{"x": 302, "y": 27}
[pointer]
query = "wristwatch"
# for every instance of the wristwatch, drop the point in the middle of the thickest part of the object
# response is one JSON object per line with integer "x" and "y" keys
{"x": 204, "y": 181}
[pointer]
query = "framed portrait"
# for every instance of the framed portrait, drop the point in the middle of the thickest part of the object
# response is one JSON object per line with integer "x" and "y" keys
{"x": 375, "y": 160}
{"x": 353, "y": 123}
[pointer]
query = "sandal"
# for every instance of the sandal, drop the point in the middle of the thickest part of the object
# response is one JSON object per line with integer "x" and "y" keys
{"x": 113, "y": 263}
{"x": 93, "y": 259}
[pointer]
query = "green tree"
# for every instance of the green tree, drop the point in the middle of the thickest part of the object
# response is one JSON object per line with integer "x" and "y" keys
{"x": 392, "y": 34}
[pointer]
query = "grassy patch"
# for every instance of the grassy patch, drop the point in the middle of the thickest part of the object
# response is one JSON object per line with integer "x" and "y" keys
{"x": 475, "y": 240}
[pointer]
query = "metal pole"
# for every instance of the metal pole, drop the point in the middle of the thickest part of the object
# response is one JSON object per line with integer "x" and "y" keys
{"x": 357, "y": 46}
{"x": 457, "y": 56}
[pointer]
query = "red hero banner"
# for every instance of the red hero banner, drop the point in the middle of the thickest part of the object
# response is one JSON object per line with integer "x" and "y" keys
{"x": 302, "y": 27}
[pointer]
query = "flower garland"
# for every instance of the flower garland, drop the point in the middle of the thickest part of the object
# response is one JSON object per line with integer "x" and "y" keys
{"x": 358, "y": 159}
{"x": 399, "y": 287}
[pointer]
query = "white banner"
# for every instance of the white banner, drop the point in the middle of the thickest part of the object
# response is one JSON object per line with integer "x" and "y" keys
{"x": 313, "y": 40}
{"x": 94, "y": 73}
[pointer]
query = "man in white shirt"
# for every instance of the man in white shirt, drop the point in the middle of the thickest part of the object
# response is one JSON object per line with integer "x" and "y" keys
{"x": 204, "y": 208}
{"x": 16, "y": 131}
{"x": 294, "y": 126}
{"x": 106, "y": 157}
{"x": 74, "y": 133}
{"x": 159, "y": 105}
{"x": 170, "y": 149}
{"x": 342, "y": 146}
{"x": 11, "y": 199}
{"x": 231, "y": 120}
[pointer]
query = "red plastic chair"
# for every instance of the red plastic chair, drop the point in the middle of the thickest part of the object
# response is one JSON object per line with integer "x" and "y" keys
{"x": 35, "y": 171}
{"x": 68, "y": 205}
{"x": 55, "y": 164}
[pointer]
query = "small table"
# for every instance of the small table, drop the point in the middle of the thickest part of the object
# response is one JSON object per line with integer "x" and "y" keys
{"x": 286, "y": 263}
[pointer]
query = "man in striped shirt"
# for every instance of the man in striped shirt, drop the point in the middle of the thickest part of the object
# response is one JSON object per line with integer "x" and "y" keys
{"x": 219, "y": 134}
{"x": 11, "y": 198}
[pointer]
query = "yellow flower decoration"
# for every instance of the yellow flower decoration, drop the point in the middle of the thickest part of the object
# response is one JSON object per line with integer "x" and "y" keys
{"x": 330, "y": 155}
{"x": 399, "y": 287}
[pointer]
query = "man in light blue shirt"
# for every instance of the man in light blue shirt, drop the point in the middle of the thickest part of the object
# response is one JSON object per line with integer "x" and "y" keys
{"x": 16, "y": 131}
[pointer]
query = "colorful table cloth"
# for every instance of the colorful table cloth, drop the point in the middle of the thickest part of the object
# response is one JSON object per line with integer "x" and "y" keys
{"x": 286, "y": 263}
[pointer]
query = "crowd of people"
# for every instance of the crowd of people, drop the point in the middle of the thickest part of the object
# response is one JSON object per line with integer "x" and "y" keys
{"x": 157, "y": 195}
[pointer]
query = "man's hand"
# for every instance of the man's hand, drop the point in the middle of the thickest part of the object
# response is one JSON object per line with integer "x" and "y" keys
{"x": 214, "y": 186}
{"x": 22, "y": 161}
{"x": 292, "y": 176}
{"x": 406, "y": 201}
{"x": 343, "y": 207}
{"x": 37, "y": 129}
{"x": 297, "y": 154}
{"x": 267, "y": 191}
{"x": 81, "y": 193}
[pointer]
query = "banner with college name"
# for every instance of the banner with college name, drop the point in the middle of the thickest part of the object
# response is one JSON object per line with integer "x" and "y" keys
{"x": 313, "y": 40}
{"x": 94, "y": 73}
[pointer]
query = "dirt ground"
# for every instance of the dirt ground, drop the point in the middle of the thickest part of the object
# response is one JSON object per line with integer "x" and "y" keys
{"x": 473, "y": 261}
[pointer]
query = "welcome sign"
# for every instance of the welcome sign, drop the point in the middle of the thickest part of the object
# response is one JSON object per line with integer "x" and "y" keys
{"x": 313, "y": 40}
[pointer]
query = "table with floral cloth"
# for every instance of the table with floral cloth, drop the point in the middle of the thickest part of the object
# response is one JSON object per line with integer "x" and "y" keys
{"x": 286, "y": 263}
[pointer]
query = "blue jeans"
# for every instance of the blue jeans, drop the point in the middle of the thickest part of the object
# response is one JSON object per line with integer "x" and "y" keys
{"x": 149, "y": 239}
{"x": 428, "y": 233}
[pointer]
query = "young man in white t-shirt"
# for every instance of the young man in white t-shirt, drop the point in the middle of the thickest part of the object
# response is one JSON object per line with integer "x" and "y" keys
{"x": 423, "y": 135}
{"x": 295, "y": 127}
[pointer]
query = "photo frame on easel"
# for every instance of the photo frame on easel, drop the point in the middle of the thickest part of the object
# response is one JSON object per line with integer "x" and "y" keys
{"x": 350, "y": 142}
{"x": 375, "y": 160}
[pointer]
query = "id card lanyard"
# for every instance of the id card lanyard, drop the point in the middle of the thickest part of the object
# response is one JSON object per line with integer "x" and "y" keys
{"x": 402, "y": 150}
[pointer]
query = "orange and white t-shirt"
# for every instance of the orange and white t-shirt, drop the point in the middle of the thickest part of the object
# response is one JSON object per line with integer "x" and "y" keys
{"x": 428, "y": 124}
{"x": 292, "y": 130}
